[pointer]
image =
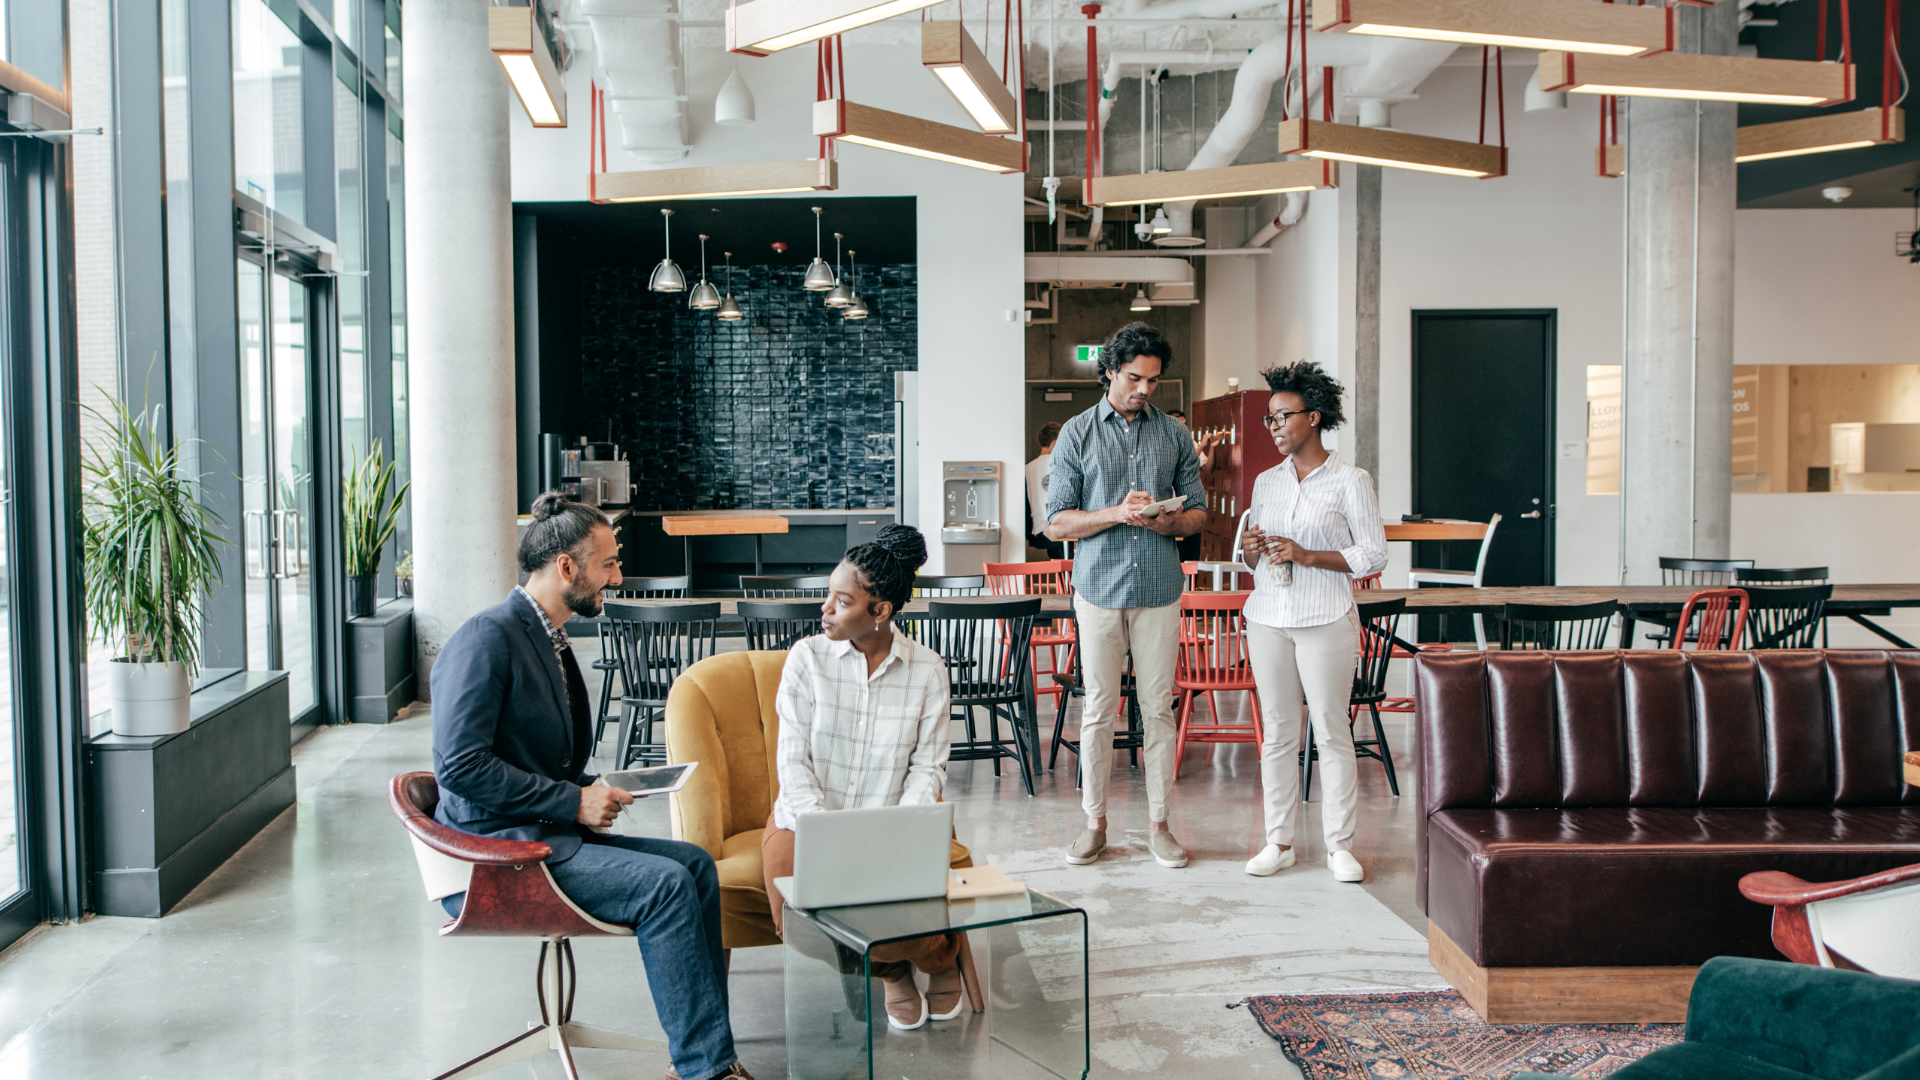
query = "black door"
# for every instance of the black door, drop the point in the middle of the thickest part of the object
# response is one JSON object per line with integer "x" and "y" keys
{"x": 1483, "y": 440}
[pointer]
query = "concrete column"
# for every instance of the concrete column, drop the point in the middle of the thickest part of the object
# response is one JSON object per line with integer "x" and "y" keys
{"x": 460, "y": 316}
{"x": 1364, "y": 394}
{"x": 1677, "y": 456}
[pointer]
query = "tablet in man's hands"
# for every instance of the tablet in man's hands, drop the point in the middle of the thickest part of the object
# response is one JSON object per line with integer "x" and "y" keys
{"x": 659, "y": 780}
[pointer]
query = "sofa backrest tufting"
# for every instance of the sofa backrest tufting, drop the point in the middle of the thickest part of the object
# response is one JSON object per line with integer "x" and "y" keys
{"x": 1647, "y": 728}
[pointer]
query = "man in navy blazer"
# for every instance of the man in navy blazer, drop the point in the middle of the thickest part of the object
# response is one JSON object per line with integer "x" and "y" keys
{"x": 512, "y": 733}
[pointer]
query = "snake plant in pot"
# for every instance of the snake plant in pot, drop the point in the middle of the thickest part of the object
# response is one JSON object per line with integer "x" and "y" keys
{"x": 371, "y": 507}
{"x": 151, "y": 553}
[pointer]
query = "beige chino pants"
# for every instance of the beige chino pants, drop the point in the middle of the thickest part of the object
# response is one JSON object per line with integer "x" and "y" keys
{"x": 1106, "y": 635}
{"x": 1314, "y": 662}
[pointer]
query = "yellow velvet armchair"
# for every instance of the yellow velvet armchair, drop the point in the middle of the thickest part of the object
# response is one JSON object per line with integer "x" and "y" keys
{"x": 720, "y": 713}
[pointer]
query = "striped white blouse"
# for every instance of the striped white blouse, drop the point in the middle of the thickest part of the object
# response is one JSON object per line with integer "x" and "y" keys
{"x": 1333, "y": 509}
{"x": 849, "y": 739}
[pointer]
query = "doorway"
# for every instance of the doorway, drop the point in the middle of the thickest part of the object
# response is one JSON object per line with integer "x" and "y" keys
{"x": 1483, "y": 442}
{"x": 277, "y": 342}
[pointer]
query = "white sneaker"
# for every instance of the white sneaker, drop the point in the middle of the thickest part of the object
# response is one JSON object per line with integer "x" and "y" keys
{"x": 1271, "y": 860}
{"x": 1345, "y": 867}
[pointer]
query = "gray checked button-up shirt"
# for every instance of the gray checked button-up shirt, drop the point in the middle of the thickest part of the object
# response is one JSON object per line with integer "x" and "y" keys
{"x": 1098, "y": 459}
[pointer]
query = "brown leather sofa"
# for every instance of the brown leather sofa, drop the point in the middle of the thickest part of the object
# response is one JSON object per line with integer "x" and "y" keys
{"x": 1586, "y": 817}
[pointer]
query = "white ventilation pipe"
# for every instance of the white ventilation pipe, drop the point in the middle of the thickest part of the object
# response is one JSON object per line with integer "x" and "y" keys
{"x": 1289, "y": 215}
{"x": 1193, "y": 9}
{"x": 1374, "y": 67}
{"x": 638, "y": 54}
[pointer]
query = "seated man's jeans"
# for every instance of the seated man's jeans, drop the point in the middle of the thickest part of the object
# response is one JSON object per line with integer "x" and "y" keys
{"x": 669, "y": 893}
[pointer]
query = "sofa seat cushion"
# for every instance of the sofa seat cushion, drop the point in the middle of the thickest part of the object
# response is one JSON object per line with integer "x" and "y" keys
{"x": 1638, "y": 887}
{"x": 745, "y": 920}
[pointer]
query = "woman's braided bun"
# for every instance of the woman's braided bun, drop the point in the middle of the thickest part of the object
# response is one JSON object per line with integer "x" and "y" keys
{"x": 888, "y": 563}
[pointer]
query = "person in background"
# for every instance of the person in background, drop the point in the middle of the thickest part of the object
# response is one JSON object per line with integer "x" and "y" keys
{"x": 511, "y": 738}
{"x": 863, "y": 722}
{"x": 1109, "y": 463}
{"x": 1202, "y": 448}
{"x": 1319, "y": 514}
{"x": 1037, "y": 472}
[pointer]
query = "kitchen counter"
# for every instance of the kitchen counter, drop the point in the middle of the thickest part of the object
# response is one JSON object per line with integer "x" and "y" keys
{"x": 812, "y": 544}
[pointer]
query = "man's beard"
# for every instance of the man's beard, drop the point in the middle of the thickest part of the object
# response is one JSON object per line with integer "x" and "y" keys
{"x": 583, "y": 602}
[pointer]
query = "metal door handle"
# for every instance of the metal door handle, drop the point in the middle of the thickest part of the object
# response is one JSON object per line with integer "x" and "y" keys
{"x": 1531, "y": 514}
{"x": 258, "y": 543}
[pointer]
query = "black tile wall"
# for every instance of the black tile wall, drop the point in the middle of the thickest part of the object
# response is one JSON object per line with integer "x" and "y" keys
{"x": 790, "y": 408}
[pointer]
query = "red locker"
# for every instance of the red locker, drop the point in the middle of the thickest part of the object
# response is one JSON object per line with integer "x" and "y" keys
{"x": 1247, "y": 452}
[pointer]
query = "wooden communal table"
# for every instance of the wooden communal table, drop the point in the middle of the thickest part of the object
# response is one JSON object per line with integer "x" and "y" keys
{"x": 1435, "y": 530}
{"x": 1652, "y": 602}
{"x": 689, "y": 526}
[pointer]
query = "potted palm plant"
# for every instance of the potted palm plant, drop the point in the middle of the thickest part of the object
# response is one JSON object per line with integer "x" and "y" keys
{"x": 371, "y": 507}
{"x": 150, "y": 557}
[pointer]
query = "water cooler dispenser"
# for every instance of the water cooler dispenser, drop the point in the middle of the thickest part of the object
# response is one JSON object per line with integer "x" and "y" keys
{"x": 970, "y": 523}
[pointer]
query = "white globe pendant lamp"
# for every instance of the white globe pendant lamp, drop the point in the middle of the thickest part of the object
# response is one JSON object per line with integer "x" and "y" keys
{"x": 666, "y": 276}
{"x": 820, "y": 276}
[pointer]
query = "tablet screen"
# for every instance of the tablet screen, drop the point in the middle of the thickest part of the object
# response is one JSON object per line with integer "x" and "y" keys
{"x": 655, "y": 781}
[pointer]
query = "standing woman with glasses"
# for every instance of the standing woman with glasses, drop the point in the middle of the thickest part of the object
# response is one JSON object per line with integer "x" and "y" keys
{"x": 1314, "y": 526}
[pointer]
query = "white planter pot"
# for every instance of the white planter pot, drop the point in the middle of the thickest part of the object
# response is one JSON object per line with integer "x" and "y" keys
{"x": 149, "y": 699}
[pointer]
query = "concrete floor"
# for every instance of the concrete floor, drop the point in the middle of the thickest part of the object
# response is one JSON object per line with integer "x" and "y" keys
{"x": 313, "y": 952}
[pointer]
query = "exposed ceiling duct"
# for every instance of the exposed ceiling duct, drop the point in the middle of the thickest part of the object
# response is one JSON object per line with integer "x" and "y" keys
{"x": 636, "y": 50}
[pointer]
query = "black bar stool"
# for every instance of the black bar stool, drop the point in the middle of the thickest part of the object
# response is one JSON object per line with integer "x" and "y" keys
{"x": 633, "y": 588}
{"x": 654, "y": 643}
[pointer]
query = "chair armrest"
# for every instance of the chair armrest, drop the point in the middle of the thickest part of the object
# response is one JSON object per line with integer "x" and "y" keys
{"x": 483, "y": 850}
{"x": 1784, "y": 890}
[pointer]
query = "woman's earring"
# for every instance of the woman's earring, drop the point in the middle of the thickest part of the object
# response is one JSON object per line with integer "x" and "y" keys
{"x": 876, "y": 626}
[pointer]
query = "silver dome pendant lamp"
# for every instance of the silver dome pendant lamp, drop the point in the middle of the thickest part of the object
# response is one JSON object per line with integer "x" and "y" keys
{"x": 839, "y": 296}
{"x": 856, "y": 304}
{"x": 666, "y": 276}
{"x": 704, "y": 297}
{"x": 820, "y": 276}
{"x": 729, "y": 310}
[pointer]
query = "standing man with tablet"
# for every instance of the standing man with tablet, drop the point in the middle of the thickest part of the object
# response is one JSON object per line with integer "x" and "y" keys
{"x": 512, "y": 733}
{"x": 1110, "y": 463}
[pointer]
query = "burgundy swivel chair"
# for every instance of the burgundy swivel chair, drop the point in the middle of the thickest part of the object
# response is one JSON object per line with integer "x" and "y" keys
{"x": 510, "y": 893}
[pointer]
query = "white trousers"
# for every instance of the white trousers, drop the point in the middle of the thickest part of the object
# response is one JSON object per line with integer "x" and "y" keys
{"x": 1317, "y": 663}
{"x": 1106, "y": 635}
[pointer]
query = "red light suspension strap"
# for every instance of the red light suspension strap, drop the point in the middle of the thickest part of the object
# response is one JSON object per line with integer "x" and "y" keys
{"x": 830, "y": 81}
{"x": 1892, "y": 71}
{"x": 1092, "y": 12}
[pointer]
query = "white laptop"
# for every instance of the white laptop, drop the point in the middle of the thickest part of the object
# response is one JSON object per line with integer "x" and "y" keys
{"x": 872, "y": 856}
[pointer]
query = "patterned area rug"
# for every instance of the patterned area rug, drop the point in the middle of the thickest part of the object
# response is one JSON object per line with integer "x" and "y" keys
{"x": 1436, "y": 1035}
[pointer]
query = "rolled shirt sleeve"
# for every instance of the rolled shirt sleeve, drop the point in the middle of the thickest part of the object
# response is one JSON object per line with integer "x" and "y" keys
{"x": 800, "y": 790}
{"x": 1186, "y": 477}
{"x": 1368, "y": 552}
{"x": 1065, "y": 478}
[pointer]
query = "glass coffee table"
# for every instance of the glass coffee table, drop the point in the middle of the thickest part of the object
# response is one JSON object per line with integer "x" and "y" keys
{"x": 1027, "y": 990}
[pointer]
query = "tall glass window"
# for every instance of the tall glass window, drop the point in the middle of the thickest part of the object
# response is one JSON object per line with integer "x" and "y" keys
{"x": 267, "y": 141}
{"x": 397, "y": 262}
{"x": 392, "y": 77}
{"x": 351, "y": 286}
{"x": 175, "y": 119}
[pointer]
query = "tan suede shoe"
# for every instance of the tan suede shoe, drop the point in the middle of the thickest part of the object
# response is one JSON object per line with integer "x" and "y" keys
{"x": 736, "y": 1071}
{"x": 945, "y": 997}
{"x": 906, "y": 1009}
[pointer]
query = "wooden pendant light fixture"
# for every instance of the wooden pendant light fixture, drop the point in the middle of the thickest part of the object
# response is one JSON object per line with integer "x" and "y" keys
{"x": 1568, "y": 25}
{"x": 762, "y": 27}
{"x": 949, "y": 52}
{"x": 1393, "y": 149}
{"x": 515, "y": 38}
{"x": 1821, "y": 134}
{"x": 1697, "y": 77}
{"x": 1233, "y": 181}
{"x": 862, "y": 125}
{"x": 716, "y": 181}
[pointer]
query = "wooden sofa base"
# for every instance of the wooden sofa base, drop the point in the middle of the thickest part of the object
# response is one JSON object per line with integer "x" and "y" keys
{"x": 1565, "y": 995}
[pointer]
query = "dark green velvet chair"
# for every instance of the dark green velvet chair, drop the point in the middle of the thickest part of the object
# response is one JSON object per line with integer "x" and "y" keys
{"x": 1766, "y": 1020}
